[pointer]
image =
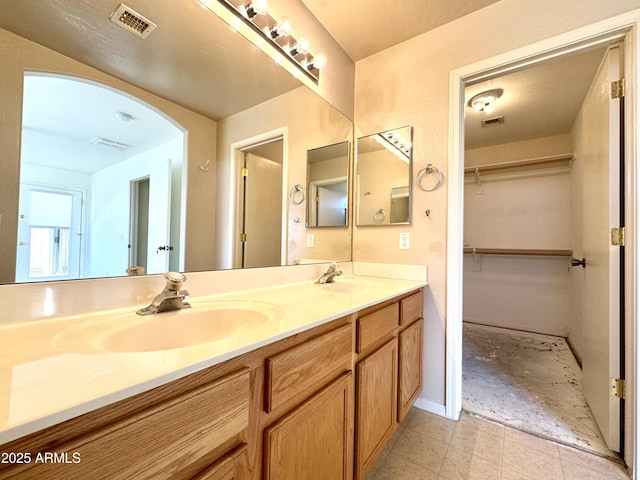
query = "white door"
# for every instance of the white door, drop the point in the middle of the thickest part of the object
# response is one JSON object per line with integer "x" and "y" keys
{"x": 49, "y": 234}
{"x": 601, "y": 212}
{"x": 262, "y": 212}
{"x": 159, "y": 213}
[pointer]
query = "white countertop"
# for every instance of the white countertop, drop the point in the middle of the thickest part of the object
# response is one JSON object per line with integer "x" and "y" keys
{"x": 44, "y": 381}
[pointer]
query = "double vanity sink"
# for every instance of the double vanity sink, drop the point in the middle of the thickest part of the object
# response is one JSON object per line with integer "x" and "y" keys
{"x": 60, "y": 368}
{"x": 207, "y": 321}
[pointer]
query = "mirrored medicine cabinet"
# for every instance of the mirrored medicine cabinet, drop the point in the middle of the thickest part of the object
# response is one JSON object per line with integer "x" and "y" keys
{"x": 383, "y": 178}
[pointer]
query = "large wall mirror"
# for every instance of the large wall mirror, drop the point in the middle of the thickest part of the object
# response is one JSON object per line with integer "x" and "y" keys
{"x": 328, "y": 186}
{"x": 383, "y": 178}
{"x": 97, "y": 118}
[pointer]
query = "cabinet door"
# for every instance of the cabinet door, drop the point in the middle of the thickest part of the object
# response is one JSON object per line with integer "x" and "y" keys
{"x": 376, "y": 404}
{"x": 409, "y": 367}
{"x": 315, "y": 440}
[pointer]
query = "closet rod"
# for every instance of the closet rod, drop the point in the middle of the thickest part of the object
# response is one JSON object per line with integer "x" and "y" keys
{"x": 518, "y": 252}
{"x": 519, "y": 163}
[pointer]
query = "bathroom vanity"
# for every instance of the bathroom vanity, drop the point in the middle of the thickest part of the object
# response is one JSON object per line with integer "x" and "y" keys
{"x": 318, "y": 395}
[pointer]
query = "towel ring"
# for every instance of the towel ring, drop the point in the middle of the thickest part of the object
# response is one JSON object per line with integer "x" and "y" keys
{"x": 379, "y": 216}
{"x": 295, "y": 190}
{"x": 427, "y": 170}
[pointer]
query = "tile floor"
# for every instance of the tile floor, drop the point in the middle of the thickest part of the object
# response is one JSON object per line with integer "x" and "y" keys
{"x": 430, "y": 447}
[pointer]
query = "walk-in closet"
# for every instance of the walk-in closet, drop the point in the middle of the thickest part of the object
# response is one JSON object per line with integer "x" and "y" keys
{"x": 542, "y": 337}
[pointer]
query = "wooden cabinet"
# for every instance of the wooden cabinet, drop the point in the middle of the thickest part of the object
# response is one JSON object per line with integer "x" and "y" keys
{"x": 320, "y": 404}
{"x": 315, "y": 440}
{"x": 388, "y": 373}
{"x": 232, "y": 466}
{"x": 303, "y": 369}
{"x": 376, "y": 393}
{"x": 410, "y": 341}
{"x": 167, "y": 440}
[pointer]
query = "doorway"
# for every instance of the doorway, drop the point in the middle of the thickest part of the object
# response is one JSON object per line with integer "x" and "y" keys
{"x": 535, "y": 197}
{"x": 574, "y": 41}
{"x": 80, "y": 135}
{"x": 259, "y": 242}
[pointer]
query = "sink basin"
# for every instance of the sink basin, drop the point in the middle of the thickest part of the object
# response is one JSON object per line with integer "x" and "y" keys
{"x": 347, "y": 286}
{"x": 204, "y": 322}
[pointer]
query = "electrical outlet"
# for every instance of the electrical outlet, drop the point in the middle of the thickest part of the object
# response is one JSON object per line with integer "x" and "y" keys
{"x": 311, "y": 240}
{"x": 404, "y": 241}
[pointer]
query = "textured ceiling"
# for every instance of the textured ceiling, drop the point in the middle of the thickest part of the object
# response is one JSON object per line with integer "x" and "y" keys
{"x": 365, "y": 27}
{"x": 537, "y": 102}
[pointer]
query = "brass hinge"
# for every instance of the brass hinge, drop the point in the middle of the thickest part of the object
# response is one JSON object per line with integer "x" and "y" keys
{"x": 618, "y": 89}
{"x": 245, "y": 172}
{"x": 618, "y": 387}
{"x": 618, "y": 236}
{"x": 243, "y": 237}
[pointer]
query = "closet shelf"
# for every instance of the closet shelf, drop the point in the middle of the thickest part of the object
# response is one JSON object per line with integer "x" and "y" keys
{"x": 518, "y": 252}
{"x": 557, "y": 162}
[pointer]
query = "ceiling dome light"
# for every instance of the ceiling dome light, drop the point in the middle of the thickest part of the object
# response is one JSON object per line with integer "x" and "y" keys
{"x": 485, "y": 101}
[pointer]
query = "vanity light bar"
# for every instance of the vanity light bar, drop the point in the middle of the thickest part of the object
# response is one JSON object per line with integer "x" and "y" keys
{"x": 395, "y": 144}
{"x": 255, "y": 14}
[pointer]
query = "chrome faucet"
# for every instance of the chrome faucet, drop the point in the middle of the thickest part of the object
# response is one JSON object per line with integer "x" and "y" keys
{"x": 329, "y": 276}
{"x": 171, "y": 298}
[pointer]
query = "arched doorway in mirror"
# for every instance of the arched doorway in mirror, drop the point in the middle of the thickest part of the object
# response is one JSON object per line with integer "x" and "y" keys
{"x": 100, "y": 182}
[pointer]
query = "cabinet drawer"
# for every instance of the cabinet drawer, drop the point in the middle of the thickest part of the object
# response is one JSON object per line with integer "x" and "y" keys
{"x": 411, "y": 308}
{"x": 165, "y": 441}
{"x": 303, "y": 369}
{"x": 233, "y": 466}
{"x": 376, "y": 325}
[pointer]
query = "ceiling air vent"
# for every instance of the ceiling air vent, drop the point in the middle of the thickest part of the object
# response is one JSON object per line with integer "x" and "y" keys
{"x": 490, "y": 122}
{"x": 132, "y": 21}
{"x": 105, "y": 142}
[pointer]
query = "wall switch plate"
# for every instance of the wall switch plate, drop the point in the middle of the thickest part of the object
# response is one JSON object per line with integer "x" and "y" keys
{"x": 311, "y": 240}
{"x": 405, "y": 239}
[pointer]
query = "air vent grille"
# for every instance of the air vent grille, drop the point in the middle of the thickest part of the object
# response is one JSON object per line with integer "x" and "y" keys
{"x": 132, "y": 21}
{"x": 491, "y": 122}
{"x": 105, "y": 142}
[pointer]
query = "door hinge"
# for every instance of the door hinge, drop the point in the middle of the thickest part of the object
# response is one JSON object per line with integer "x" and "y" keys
{"x": 618, "y": 236}
{"x": 243, "y": 237}
{"x": 618, "y": 89}
{"x": 618, "y": 387}
{"x": 245, "y": 172}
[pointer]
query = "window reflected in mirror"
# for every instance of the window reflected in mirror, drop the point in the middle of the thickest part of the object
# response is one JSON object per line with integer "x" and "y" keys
{"x": 383, "y": 178}
{"x": 328, "y": 186}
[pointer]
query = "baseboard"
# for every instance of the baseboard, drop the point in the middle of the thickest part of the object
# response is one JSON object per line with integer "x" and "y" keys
{"x": 429, "y": 406}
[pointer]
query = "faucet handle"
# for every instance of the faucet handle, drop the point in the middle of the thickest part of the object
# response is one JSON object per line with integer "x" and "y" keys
{"x": 174, "y": 280}
{"x": 334, "y": 267}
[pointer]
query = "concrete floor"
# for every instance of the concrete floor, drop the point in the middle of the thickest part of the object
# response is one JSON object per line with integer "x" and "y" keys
{"x": 528, "y": 381}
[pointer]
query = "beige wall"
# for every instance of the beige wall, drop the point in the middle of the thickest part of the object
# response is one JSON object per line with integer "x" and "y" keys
{"x": 408, "y": 85}
{"x": 311, "y": 123}
{"x": 19, "y": 55}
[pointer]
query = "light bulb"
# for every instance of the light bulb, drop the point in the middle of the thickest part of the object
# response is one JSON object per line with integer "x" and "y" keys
{"x": 257, "y": 7}
{"x": 302, "y": 46}
{"x": 320, "y": 61}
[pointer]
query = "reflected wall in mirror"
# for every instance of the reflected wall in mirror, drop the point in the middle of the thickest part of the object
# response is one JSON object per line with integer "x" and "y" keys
{"x": 328, "y": 186}
{"x": 178, "y": 74}
{"x": 383, "y": 178}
